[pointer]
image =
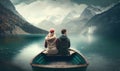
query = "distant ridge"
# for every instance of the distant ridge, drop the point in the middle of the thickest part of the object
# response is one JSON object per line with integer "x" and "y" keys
{"x": 12, "y": 23}
{"x": 108, "y": 22}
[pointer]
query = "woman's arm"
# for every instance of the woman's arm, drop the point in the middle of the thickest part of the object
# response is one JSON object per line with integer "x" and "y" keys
{"x": 45, "y": 45}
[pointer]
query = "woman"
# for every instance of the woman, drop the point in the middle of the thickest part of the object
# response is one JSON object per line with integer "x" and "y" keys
{"x": 50, "y": 43}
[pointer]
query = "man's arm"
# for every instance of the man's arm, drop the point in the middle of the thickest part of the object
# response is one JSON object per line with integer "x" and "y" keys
{"x": 69, "y": 44}
{"x": 57, "y": 43}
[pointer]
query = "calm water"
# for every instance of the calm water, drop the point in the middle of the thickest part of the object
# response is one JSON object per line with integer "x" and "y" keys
{"x": 17, "y": 52}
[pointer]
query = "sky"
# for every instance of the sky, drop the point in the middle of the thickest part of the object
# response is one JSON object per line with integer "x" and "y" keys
{"x": 36, "y": 11}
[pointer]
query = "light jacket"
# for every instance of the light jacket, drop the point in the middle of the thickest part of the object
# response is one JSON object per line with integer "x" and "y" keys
{"x": 50, "y": 44}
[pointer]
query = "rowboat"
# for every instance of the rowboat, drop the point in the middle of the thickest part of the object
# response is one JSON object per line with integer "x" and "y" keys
{"x": 73, "y": 62}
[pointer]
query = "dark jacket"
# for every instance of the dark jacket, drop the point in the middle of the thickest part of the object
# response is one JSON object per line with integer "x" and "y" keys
{"x": 63, "y": 43}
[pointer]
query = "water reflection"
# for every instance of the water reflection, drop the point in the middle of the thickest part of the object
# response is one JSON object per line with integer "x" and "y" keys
{"x": 10, "y": 46}
{"x": 97, "y": 62}
{"x": 80, "y": 41}
{"x": 26, "y": 55}
{"x": 101, "y": 53}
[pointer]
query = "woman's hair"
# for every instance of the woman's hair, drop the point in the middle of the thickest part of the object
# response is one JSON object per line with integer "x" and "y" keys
{"x": 52, "y": 30}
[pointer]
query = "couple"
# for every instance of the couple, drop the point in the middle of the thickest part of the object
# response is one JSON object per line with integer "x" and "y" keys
{"x": 56, "y": 45}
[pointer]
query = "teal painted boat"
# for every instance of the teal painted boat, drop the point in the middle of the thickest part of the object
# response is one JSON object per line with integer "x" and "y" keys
{"x": 73, "y": 62}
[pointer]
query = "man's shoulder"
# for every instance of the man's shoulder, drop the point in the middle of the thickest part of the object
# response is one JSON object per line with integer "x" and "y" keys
{"x": 60, "y": 37}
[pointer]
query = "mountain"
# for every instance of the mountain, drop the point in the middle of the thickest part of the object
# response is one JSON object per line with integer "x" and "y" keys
{"x": 77, "y": 24}
{"x": 70, "y": 16}
{"x": 88, "y": 13}
{"x": 44, "y": 25}
{"x": 7, "y": 4}
{"x": 108, "y": 22}
{"x": 12, "y": 23}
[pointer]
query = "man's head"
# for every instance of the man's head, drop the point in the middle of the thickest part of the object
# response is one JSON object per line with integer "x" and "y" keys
{"x": 63, "y": 31}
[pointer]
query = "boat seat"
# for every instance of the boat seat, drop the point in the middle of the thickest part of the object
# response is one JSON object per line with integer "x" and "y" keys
{"x": 70, "y": 51}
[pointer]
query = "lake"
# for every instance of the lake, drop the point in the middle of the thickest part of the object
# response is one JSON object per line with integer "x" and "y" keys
{"x": 17, "y": 52}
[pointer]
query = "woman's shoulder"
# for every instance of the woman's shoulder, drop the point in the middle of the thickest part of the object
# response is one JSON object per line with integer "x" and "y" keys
{"x": 50, "y": 37}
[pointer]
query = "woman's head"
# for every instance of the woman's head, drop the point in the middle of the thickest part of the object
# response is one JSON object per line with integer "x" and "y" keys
{"x": 52, "y": 30}
{"x": 51, "y": 34}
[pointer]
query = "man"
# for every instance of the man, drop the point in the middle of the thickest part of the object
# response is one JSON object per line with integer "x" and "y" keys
{"x": 63, "y": 43}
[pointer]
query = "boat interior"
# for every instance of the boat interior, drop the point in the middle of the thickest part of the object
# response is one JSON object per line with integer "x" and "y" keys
{"x": 57, "y": 60}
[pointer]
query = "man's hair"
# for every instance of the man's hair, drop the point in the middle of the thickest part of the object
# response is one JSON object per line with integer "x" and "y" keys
{"x": 63, "y": 31}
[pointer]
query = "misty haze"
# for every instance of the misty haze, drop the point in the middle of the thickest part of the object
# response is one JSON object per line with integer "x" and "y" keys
{"x": 92, "y": 26}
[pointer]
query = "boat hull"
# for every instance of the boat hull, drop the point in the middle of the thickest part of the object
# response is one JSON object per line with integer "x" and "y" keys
{"x": 59, "y": 69}
{"x": 72, "y": 62}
